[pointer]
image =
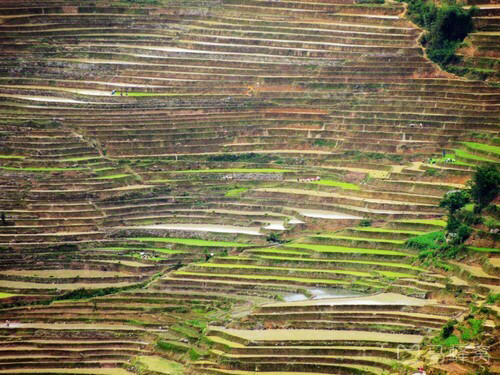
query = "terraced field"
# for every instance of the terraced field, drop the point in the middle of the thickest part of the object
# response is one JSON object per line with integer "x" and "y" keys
{"x": 227, "y": 187}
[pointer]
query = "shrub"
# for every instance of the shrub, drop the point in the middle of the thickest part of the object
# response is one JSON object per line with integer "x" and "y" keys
{"x": 274, "y": 237}
{"x": 365, "y": 223}
{"x": 492, "y": 298}
{"x": 484, "y": 186}
{"x": 454, "y": 201}
{"x": 427, "y": 242}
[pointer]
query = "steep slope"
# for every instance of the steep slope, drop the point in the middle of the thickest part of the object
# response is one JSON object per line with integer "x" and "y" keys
{"x": 157, "y": 152}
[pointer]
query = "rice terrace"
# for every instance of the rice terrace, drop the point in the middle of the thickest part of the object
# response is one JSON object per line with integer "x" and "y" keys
{"x": 239, "y": 187}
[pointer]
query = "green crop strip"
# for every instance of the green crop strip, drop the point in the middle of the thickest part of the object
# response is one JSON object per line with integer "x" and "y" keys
{"x": 483, "y": 147}
{"x": 376, "y": 240}
{"x": 384, "y": 230}
{"x": 343, "y": 185}
{"x": 466, "y": 155}
{"x": 342, "y": 249}
{"x": 309, "y": 260}
{"x": 42, "y": 169}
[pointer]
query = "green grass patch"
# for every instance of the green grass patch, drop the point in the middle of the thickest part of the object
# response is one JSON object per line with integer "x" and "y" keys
{"x": 343, "y": 185}
{"x": 377, "y": 240}
{"x": 384, "y": 230}
{"x": 43, "y": 169}
{"x": 161, "y": 365}
{"x": 483, "y": 147}
{"x": 342, "y": 249}
{"x": 235, "y": 192}
{"x": 427, "y": 242}
{"x": 112, "y": 176}
{"x": 190, "y": 241}
{"x": 82, "y": 158}
{"x": 7, "y": 295}
{"x": 466, "y": 155}
{"x": 484, "y": 249}
{"x": 12, "y": 157}
{"x": 305, "y": 260}
{"x": 438, "y": 222}
{"x": 279, "y": 251}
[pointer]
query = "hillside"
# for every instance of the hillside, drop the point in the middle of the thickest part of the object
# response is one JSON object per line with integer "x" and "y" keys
{"x": 228, "y": 187}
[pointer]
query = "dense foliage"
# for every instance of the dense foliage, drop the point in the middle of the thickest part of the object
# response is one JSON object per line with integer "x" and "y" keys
{"x": 484, "y": 186}
{"x": 453, "y": 201}
{"x": 250, "y": 157}
{"x": 446, "y": 25}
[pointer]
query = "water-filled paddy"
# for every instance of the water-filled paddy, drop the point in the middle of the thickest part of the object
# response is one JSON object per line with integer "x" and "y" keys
{"x": 322, "y": 293}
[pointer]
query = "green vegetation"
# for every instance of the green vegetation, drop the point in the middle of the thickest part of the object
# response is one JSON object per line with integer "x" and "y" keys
{"x": 436, "y": 222}
{"x": 375, "y": 240}
{"x": 190, "y": 241}
{"x": 170, "y": 346}
{"x": 12, "y": 157}
{"x": 313, "y": 260}
{"x": 113, "y": 176}
{"x": 446, "y": 24}
{"x": 492, "y": 298}
{"x": 385, "y": 230}
{"x": 81, "y": 158}
{"x": 465, "y": 155}
{"x": 427, "y": 242}
{"x": 342, "y": 249}
{"x": 365, "y": 223}
{"x": 7, "y": 295}
{"x": 274, "y": 237}
{"x": 454, "y": 201}
{"x": 249, "y": 158}
{"x": 446, "y": 338}
{"x": 484, "y": 186}
{"x": 43, "y": 169}
{"x": 483, "y": 147}
{"x": 235, "y": 192}
{"x": 325, "y": 142}
{"x": 484, "y": 249}
{"x": 343, "y": 185}
{"x": 161, "y": 365}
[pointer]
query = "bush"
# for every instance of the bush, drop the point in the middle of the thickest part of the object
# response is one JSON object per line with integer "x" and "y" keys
{"x": 492, "y": 298}
{"x": 427, "y": 242}
{"x": 274, "y": 237}
{"x": 365, "y": 223}
{"x": 454, "y": 201}
{"x": 484, "y": 186}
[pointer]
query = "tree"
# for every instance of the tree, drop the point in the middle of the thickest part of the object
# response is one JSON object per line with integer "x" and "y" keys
{"x": 484, "y": 186}
{"x": 454, "y": 201}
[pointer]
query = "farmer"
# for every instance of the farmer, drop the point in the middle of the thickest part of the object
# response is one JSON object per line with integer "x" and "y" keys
{"x": 4, "y": 222}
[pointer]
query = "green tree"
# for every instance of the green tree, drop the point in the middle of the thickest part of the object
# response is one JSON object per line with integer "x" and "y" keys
{"x": 484, "y": 186}
{"x": 453, "y": 201}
